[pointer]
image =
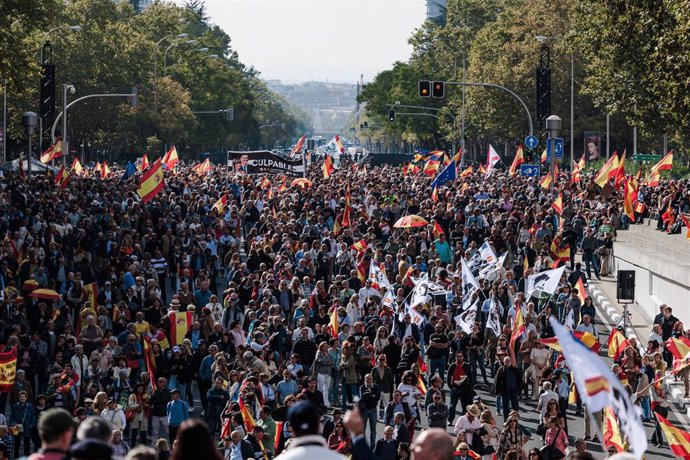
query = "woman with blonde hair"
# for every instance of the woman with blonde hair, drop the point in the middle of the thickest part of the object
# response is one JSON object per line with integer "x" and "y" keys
{"x": 490, "y": 439}
{"x": 381, "y": 339}
{"x": 99, "y": 401}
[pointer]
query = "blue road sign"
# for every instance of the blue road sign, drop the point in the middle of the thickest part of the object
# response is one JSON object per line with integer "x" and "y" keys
{"x": 531, "y": 141}
{"x": 529, "y": 170}
{"x": 554, "y": 145}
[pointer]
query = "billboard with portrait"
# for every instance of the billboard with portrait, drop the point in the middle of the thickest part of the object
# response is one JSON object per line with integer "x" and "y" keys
{"x": 592, "y": 145}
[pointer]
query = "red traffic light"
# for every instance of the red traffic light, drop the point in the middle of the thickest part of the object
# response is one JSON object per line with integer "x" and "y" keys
{"x": 438, "y": 89}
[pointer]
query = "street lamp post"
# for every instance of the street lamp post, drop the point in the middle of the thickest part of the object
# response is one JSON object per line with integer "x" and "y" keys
{"x": 165, "y": 54}
{"x": 65, "y": 144}
{"x": 553, "y": 127}
{"x": 155, "y": 67}
{"x": 29, "y": 120}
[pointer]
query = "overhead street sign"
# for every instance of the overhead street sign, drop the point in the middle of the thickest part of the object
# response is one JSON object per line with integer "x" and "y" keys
{"x": 529, "y": 170}
{"x": 554, "y": 145}
{"x": 646, "y": 157}
{"x": 531, "y": 141}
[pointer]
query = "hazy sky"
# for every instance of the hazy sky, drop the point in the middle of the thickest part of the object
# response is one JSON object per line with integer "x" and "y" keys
{"x": 335, "y": 40}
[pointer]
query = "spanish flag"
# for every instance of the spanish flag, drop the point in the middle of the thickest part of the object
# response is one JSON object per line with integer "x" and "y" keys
{"x": 62, "y": 178}
{"x": 596, "y": 385}
{"x": 607, "y": 171}
{"x": 91, "y": 293}
{"x": 170, "y": 159}
{"x": 678, "y": 440}
{"x": 150, "y": 361}
{"x": 576, "y": 174}
{"x": 52, "y": 153}
{"x": 518, "y": 328}
{"x": 545, "y": 182}
{"x": 334, "y": 323}
{"x": 8, "y": 369}
{"x": 152, "y": 182}
{"x": 203, "y": 167}
{"x": 360, "y": 246}
{"x": 686, "y": 222}
{"x": 580, "y": 286}
{"x": 298, "y": 146}
{"x": 422, "y": 365}
{"x": 247, "y": 417}
{"x": 431, "y": 167}
{"x": 679, "y": 347}
{"x": 220, "y": 204}
{"x": 629, "y": 197}
{"x": 617, "y": 344}
{"x": 557, "y": 205}
{"x": 105, "y": 170}
{"x": 362, "y": 270}
{"x": 612, "y": 431}
{"x": 339, "y": 144}
{"x": 543, "y": 157}
{"x": 619, "y": 174}
{"x": 420, "y": 385}
{"x": 265, "y": 183}
{"x": 665, "y": 164}
{"x": 467, "y": 172}
{"x": 434, "y": 195}
{"x": 559, "y": 254}
{"x": 517, "y": 161}
{"x": 77, "y": 167}
{"x": 180, "y": 322}
{"x": 328, "y": 167}
{"x": 438, "y": 230}
{"x": 144, "y": 163}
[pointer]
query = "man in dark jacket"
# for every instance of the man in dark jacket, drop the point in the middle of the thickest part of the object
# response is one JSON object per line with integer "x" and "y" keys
{"x": 398, "y": 405}
{"x": 508, "y": 384}
{"x": 216, "y": 398}
{"x": 370, "y": 395}
{"x": 459, "y": 375}
{"x": 159, "y": 403}
{"x": 305, "y": 348}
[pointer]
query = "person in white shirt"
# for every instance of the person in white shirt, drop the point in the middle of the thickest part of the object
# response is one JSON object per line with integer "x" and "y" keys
{"x": 469, "y": 423}
{"x": 587, "y": 326}
{"x": 114, "y": 415}
{"x": 545, "y": 397}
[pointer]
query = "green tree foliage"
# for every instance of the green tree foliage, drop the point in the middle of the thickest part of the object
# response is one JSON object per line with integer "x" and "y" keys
{"x": 118, "y": 49}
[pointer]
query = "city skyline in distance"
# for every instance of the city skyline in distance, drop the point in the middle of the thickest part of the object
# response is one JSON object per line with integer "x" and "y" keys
{"x": 318, "y": 40}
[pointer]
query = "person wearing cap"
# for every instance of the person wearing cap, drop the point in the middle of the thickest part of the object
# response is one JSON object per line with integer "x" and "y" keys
{"x": 304, "y": 419}
{"x": 114, "y": 415}
{"x": 177, "y": 411}
{"x": 55, "y": 429}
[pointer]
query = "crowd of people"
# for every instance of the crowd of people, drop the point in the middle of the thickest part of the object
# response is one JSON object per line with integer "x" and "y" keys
{"x": 169, "y": 311}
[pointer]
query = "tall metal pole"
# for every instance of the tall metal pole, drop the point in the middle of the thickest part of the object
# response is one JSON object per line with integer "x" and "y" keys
{"x": 572, "y": 109}
{"x": 29, "y": 159}
{"x": 608, "y": 150}
{"x": 4, "y": 122}
{"x": 553, "y": 127}
{"x": 65, "y": 144}
{"x": 665, "y": 144}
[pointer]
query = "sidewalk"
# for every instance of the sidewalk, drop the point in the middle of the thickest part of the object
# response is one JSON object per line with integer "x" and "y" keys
{"x": 610, "y": 312}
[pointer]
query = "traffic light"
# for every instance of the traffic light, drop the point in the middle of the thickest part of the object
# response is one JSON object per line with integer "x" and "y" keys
{"x": 438, "y": 89}
{"x": 391, "y": 115}
{"x": 424, "y": 88}
{"x": 366, "y": 125}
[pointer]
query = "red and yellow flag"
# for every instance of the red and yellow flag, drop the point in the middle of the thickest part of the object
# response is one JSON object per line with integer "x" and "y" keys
{"x": 220, "y": 204}
{"x": 334, "y": 323}
{"x": 150, "y": 361}
{"x": 619, "y": 174}
{"x": 580, "y": 286}
{"x": 170, "y": 159}
{"x": 77, "y": 167}
{"x": 152, "y": 182}
{"x": 247, "y": 417}
{"x": 607, "y": 171}
{"x": 298, "y": 146}
{"x": 362, "y": 270}
{"x": 559, "y": 254}
{"x": 431, "y": 167}
{"x": 467, "y": 172}
{"x": 438, "y": 230}
{"x": 339, "y": 144}
{"x": 8, "y": 369}
{"x": 557, "y": 204}
{"x": 144, "y": 163}
{"x": 678, "y": 346}
{"x": 52, "y": 153}
{"x": 420, "y": 385}
{"x": 180, "y": 322}
{"x": 105, "y": 170}
{"x": 360, "y": 246}
{"x": 596, "y": 385}
{"x": 686, "y": 222}
{"x": 62, "y": 178}
{"x": 90, "y": 293}
{"x": 665, "y": 164}
{"x": 203, "y": 167}
{"x": 328, "y": 167}
{"x": 545, "y": 181}
{"x": 617, "y": 344}
{"x": 434, "y": 195}
{"x": 543, "y": 157}
{"x": 518, "y": 328}
{"x": 612, "y": 431}
{"x": 629, "y": 197}
{"x": 517, "y": 161}
{"x": 678, "y": 440}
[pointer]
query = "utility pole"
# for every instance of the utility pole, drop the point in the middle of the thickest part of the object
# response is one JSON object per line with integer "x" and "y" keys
{"x": 553, "y": 127}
